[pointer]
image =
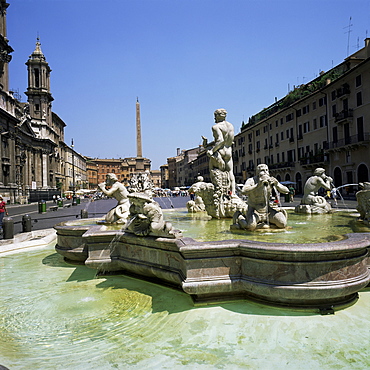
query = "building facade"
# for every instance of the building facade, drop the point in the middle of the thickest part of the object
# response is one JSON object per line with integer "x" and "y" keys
{"x": 123, "y": 168}
{"x": 324, "y": 123}
{"x": 34, "y": 157}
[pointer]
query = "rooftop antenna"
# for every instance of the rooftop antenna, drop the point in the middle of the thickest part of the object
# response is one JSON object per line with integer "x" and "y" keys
{"x": 349, "y": 32}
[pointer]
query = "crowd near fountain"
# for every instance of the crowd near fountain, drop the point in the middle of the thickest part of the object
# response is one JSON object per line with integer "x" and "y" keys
{"x": 309, "y": 275}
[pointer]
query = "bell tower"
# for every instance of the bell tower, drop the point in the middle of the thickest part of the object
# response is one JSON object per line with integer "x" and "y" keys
{"x": 38, "y": 91}
{"x": 5, "y": 49}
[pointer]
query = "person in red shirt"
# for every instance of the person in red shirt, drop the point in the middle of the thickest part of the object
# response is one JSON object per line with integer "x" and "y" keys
{"x": 3, "y": 211}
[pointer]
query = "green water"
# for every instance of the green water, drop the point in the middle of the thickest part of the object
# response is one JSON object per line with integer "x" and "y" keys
{"x": 57, "y": 316}
{"x": 301, "y": 228}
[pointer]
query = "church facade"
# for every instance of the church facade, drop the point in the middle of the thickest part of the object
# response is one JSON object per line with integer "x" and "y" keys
{"x": 36, "y": 163}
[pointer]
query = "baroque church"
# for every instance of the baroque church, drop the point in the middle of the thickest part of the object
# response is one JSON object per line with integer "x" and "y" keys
{"x": 35, "y": 161}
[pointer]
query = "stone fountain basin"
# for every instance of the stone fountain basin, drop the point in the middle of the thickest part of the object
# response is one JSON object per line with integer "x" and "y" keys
{"x": 318, "y": 275}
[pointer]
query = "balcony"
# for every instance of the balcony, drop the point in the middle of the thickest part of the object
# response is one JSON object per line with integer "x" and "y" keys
{"x": 313, "y": 160}
{"x": 344, "y": 116}
{"x": 350, "y": 142}
{"x": 343, "y": 91}
{"x": 281, "y": 165}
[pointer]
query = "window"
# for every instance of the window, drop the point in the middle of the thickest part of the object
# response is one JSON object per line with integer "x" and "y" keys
{"x": 300, "y": 135}
{"x": 335, "y": 134}
{"x": 334, "y": 110}
{"x": 37, "y": 106}
{"x": 323, "y": 121}
{"x": 277, "y": 123}
{"x": 360, "y": 128}
{"x": 348, "y": 157}
{"x": 37, "y": 77}
{"x": 289, "y": 117}
{"x": 345, "y": 105}
{"x": 299, "y": 113}
{"x": 322, "y": 101}
{"x": 306, "y": 109}
{"x": 306, "y": 127}
{"x": 287, "y": 134}
{"x": 315, "y": 124}
{"x": 282, "y": 135}
{"x": 314, "y": 105}
{"x": 258, "y": 133}
{"x": 359, "y": 98}
{"x": 333, "y": 95}
{"x": 358, "y": 81}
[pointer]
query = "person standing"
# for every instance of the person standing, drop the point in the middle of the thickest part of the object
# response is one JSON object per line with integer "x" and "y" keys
{"x": 3, "y": 211}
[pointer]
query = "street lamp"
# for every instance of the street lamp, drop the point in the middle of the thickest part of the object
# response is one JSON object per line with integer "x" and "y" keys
{"x": 74, "y": 200}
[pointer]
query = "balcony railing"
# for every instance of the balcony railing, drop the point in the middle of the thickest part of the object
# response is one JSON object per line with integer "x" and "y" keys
{"x": 318, "y": 158}
{"x": 344, "y": 115}
{"x": 350, "y": 140}
{"x": 281, "y": 165}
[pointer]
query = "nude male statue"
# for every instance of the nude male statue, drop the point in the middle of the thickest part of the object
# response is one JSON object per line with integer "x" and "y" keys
{"x": 120, "y": 212}
{"x": 259, "y": 189}
{"x": 221, "y": 153}
{"x": 313, "y": 184}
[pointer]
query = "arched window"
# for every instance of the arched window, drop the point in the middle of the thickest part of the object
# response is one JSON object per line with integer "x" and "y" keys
{"x": 362, "y": 173}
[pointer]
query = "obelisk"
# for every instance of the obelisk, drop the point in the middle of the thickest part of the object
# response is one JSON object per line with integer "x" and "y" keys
{"x": 139, "y": 153}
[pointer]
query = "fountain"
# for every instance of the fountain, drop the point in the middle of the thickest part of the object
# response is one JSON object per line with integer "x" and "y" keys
{"x": 363, "y": 199}
{"x": 219, "y": 197}
{"x": 311, "y": 201}
{"x": 260, "y": 213}
{"x": 315, "y": 275}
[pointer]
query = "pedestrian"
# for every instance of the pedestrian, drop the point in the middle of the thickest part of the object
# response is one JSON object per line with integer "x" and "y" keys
{"x": 291, "y": 193}
{"x": 3, "y": 211}
{"x": 54, "y": 198}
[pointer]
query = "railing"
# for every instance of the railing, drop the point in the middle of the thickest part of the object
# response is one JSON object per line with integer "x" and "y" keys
{"x": 344, "y": 114}
{"x": 355, "y": 139}
{"x": 282, "y": 165}
{"x": 318, "y": 158}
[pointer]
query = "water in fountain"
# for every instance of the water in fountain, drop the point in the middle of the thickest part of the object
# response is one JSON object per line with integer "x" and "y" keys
{"x": 165, "y": 202}
{"x": 335, "y": 191}
{"x": 54, "y": 314}
{"x": 267, "y": 202}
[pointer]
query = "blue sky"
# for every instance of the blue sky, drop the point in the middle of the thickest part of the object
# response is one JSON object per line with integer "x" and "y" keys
{"x": 182, "y": 58}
